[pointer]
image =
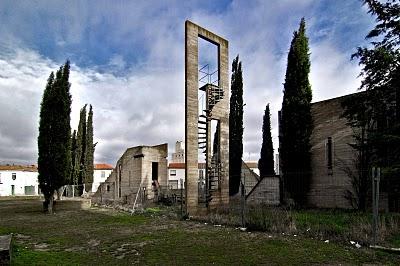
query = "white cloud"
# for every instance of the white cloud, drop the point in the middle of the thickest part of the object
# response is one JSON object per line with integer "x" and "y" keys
{"x": 141, "y": 100}
{"x": 332, "y": 72}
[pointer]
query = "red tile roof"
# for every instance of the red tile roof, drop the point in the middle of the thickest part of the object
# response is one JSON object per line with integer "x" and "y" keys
{"x": 182, "y": 166}
{"x": 177, "y": 165}
{"x": 103, "y": 166}
{"x": 27, "y": 168}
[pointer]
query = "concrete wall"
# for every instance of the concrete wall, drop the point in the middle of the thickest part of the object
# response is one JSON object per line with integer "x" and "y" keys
{"x": 106, "y": 191}
{"x": 328, "y": 186}
{"x": 266, "y": 191}
{"x": 249, "y": 177}
{"x": 22, "y": 179}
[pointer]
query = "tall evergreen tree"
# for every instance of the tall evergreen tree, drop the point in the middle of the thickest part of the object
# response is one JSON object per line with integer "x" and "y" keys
{"x": 73, "y": 158}
{"x": 81, "y": 149}
{"x": 236, "y": 127}
{"x": 296, "y": 120}
{"x": 54, "y": 140}
{"x": 89, "y": 152}
{"x": 266, "y": 161}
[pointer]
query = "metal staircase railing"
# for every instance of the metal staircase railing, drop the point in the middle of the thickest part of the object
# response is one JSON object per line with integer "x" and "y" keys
{"x": 214, "y": 94}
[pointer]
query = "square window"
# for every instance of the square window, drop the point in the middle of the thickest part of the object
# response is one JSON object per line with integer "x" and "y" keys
{"x": 172, "y": 172}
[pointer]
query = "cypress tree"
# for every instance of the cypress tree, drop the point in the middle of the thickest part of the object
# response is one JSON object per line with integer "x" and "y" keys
{"x": 235, "y": 127}
{"x": 89, "y": 151}
{"x": 296, "y": 120}
{"x": 54, "y": 140}
{"x": 81, "y": 149}
{"x": 266, "y": 162}
{"x": 73, "y": 158}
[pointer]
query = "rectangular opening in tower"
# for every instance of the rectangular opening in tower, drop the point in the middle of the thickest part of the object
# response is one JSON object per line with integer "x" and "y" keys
{"x": 208, "y": 63}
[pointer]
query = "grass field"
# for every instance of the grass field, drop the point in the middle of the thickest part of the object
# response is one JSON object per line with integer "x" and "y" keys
{"x": 76, "y": 235}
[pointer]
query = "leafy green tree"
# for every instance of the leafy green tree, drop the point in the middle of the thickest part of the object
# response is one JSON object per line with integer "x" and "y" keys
{"x": 296, "y": 120}
{"x": 359, "y": 117}
{"x": 54, "y": 140}
{"x": 236, "y": 127}
{"x": 89, "y": 152}
{"x": 266, "y": 161}
{"x": 381, "y": 80}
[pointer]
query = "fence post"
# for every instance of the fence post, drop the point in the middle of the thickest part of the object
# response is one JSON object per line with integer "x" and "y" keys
{"x": 376, "y": 176}
{"x": 181, "y": 197}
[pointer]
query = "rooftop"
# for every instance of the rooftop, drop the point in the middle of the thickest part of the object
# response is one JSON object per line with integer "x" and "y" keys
{"x": 26, "y": 168}
{"x": 103, "y": 166}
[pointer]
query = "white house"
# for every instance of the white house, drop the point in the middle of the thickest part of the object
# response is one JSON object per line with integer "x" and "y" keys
{"x": 176, "y": 174}
{"x": 18, "y": 180}
{"x": 100, "y": 174}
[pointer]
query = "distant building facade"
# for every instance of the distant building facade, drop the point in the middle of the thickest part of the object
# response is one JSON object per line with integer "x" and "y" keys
{"x": 19, "y": 180}
{"x": 141, "y": 169}
{"x": 179, "y": 155}
{"x": 176, "y": 175}
{"x": 100, "y": 173}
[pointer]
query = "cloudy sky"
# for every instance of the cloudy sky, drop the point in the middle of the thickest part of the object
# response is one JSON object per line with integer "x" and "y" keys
{"x": 128, "y": 62}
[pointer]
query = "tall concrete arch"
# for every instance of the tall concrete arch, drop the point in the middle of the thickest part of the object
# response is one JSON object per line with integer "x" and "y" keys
{"x": 198, "y": 125}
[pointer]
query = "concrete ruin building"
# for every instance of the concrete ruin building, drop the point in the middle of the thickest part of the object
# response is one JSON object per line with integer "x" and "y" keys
{"x": 140, "y": 170}
{"x": 199, "y": 124}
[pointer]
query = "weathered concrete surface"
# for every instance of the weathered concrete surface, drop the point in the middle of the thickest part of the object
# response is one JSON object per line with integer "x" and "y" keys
{"x": 220, "y": 112}
{"x": 133, "y": 171}
{"x": 328, "y": 186}
{"x": 5, "y": 249}
{"x": 265, "y": 191}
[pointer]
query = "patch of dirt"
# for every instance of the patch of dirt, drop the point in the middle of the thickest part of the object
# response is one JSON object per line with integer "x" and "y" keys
{"x": 74, "y": 249}
{"x": 94, "y": 243}
{"x": 126, "y": 249}
{"x": 21, "y": 236}
{"x": 41, "y": 247}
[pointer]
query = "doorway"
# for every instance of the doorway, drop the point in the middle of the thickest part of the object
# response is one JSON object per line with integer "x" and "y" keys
{"x": 154, "y": 171}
